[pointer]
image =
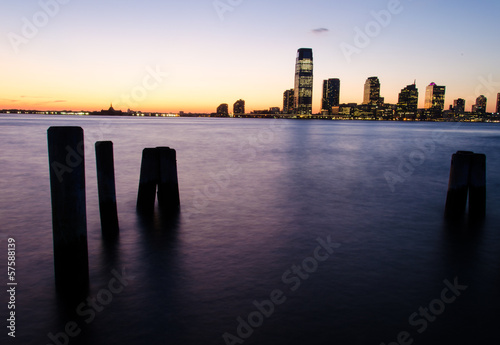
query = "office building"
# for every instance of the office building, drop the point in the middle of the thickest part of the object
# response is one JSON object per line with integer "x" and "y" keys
{"x": 239, "y": 107}
{"x": 459, "y": 106}
{"x": 434, "y": 97}
{"x": 498, "y": 103}
{"x": 408, "y": 100}
{"x": 331, "y": 95}
{"x": 223, "y": 110}
{"x": 303, "y": 90}
{"x": 288, "y": 100}
{"x": 372, "y": 91}
{"x": 480, "y": 106}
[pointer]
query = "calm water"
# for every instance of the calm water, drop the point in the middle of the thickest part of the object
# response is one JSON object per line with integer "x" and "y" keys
{"x": 256, "y": 195}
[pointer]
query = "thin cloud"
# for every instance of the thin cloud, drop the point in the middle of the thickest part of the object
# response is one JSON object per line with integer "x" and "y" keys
{"x": 320, "y": 30}
{"x": 48, "y": 100}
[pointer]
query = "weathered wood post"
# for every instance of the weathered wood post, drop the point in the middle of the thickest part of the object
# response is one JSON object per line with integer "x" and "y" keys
{"x": 467, "y": 176}
{"x": 168, "y": 185}
{"x": 150, "y": 168}
{"x": 477, "y": 186}
{"x": 69, "y": 219}
{"x": 106, "y": 187}
{"x": 456, "y": 198}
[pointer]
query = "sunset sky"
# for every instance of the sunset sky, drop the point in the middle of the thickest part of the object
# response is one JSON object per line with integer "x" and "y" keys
{"x": 192, "y": 55}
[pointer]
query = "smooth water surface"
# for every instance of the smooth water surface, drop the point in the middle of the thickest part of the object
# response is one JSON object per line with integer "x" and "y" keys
{"x": 258, "y": 197}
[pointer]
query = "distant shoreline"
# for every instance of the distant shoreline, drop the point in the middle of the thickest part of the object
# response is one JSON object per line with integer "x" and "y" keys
{"x": 488, "y": 118}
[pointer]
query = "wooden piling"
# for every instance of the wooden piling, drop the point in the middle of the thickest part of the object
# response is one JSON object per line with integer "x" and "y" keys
{"x": 69, "y": 219}
{"x": 477, "y": 186}
{"x": 150, "y": 168}
{"x": 456, "y": 199}
{"x": 467, "y": 176}
{"x": 168, "y": 185}
{"x": 106, "y": 187}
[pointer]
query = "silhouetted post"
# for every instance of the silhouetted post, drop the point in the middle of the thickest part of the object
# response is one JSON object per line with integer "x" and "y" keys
{"x": 150, "y": 168}
{"x": 456, "y": 199}
{"x": 168, "y": 185}
{"x": 69, "y": 219}
{"x": 477, "y": 186}
{"x": 106, "y": 186}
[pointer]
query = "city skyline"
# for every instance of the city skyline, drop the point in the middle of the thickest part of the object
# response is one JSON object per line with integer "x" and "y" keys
{"x": 194, "y": 55}
{"x": 408, "y": 98}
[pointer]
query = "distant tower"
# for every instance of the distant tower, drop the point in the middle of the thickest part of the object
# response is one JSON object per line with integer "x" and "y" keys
{"x": 288, "y": 100}
{"x": 223, "y": 110}
{"x": 434, "y": 97}
{"x": 303, "y": 90}
{"x": 498, "y": 103}
{"x": 239, "y": 107}
{"x": 372, "y": 91}
{"x": 331, "y": 95}
{"x": 408, "y": 99}
{"x": 480, "y": 106}
{"x": 459, "y": 106}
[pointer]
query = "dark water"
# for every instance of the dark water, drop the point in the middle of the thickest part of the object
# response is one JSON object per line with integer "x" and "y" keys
{"x": 257, "y": 198}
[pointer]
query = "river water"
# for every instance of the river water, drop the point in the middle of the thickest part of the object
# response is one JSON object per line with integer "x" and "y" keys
{"x": 290, "y": 232}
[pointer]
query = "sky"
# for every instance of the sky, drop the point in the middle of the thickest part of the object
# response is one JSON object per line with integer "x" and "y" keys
{"x": 192, "y": 55}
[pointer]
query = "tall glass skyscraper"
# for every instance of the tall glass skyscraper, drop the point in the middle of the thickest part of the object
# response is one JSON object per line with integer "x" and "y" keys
{"x": 303, "y": 82}
{"x": 408, "y": 99}
{"x": 372, "y": 91}
{"x": 434, "y": 97}
{"x": 331, "y": 95}
{"x": 498, "y": 103}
